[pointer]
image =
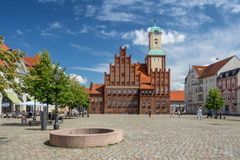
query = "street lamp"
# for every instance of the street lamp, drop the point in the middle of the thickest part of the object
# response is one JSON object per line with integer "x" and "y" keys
{"x": 56, "y": 124}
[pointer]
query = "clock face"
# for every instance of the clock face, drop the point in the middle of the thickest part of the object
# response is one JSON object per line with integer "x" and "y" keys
{"x": 156, "y": 32}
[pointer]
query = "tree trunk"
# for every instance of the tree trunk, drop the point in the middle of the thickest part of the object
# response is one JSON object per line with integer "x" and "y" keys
{"x": 47, "y": 102}
{"x": 216, "y": 114}
{"x": 34, "y": 111}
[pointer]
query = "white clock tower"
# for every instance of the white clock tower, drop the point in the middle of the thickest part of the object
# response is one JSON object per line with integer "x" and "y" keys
{"x": 155, "y": 59}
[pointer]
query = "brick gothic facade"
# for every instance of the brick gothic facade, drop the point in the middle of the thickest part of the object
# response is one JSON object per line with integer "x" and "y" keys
{"x": 134, "y": 88}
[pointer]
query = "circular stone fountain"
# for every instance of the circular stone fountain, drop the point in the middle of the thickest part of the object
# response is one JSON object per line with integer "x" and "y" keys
{"x": 85, "y": 137}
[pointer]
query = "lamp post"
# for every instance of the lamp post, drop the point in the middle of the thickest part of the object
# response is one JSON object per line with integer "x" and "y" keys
{"x": 34, "y": 111}
{"x": 56, "y": 124}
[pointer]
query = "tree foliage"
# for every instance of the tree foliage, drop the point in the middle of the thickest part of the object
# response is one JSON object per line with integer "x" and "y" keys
{"x": 214, "y": 99}
{"x": 41, "y": 83}
{"x": 74, "y": 95}
{"x": 10, "y": 60}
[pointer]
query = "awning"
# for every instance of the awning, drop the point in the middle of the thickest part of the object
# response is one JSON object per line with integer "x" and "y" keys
{"x": 13, "y": 97}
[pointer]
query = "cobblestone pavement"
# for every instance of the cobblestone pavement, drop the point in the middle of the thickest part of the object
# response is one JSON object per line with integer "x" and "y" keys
{"x": 158, "y": 137}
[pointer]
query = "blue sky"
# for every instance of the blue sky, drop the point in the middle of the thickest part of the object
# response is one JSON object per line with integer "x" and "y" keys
{"x": 84, "y": 35}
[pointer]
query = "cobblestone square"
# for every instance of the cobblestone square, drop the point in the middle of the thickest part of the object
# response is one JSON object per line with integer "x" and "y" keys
{"x": 158, "y": 137}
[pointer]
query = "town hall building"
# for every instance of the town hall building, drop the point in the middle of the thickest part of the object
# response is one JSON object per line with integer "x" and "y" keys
{"x": 134, "y": 88}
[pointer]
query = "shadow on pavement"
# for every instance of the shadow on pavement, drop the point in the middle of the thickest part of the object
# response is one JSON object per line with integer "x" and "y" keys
{"x": 38, "y": 129}
{"x": 12, "y": 124}
{"x": 47, "y": 143}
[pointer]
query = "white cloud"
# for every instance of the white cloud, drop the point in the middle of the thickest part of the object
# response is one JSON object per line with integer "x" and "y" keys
{"x": 201, "y": 50}
{"x": 111, "y": 33}
{"x": 100, "y": 68}
{"x": 80, "y": 79}
{"x": 83, "y": 49}
{"x": 110, "y": 11}
{"x": 55, "y": 25}
{"x": 140, "y": 37}
{"x": 46, "y": 34}
{"x": 19, "y": 32}
{"x": 232, "y": 6}
{"x": 90, "y": 10}
{"x": 52, "y": 1}
{"x": 78, "y": 10}
{"x": 172, "y": 37}
{"x": 69, "y": 31}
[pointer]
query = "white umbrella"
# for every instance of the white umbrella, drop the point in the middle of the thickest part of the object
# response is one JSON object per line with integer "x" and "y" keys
{"x": 31, "y": 103}
{"x": 5, "y": 105}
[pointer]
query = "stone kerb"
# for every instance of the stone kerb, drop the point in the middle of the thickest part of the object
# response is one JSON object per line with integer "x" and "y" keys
{"x": 85, "y": 137}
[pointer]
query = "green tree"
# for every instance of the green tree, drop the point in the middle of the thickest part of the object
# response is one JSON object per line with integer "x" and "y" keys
{"x": 214, "y": 100}
{"x": 10, "y": 60}
{"x": 40, "y": 81}
{"x": 74, "y": 95}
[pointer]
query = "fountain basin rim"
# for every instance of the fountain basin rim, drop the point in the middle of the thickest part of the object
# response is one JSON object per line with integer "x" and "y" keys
{"x": 63, "y": 132}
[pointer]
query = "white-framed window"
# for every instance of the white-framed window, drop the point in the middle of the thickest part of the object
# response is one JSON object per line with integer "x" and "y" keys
{"x": 233, "y": 94}
{"x": 224, "y": 85}
{"x": 228, "y": 83}
{"x": 114, "y": 103}
{"x": 109, "y": 103}
{"x": 233, "y": 83}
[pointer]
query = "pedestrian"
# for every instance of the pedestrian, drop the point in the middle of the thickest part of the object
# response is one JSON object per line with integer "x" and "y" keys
{"x": 150, "y": 112}
{"x": 199, "y": 113}
{"x": 172, "y": 112}
{"x": 179, "y": 113}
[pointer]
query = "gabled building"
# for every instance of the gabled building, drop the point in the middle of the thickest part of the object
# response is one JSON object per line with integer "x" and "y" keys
{"x": 9, "y": 102}
{"x": 135, "y": 88}
{"x": 193, "y": 89}
{"x": 201, "y": 79}
{"x": 229, "y": 84}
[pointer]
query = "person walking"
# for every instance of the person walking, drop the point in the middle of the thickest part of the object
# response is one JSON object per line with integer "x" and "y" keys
{"x": 179, "y": 113}
{"x": 172, "y": 112}
{"x": 150, "y": 112}
{"x": 197, "y": 113}
{"x": 200, "y": 113}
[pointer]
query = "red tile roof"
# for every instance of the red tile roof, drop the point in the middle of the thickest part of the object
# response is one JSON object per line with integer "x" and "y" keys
{"x": 199, "y": 69}
{"x": 95, "y": 88}
{"x": 4, "y": 47}
{"x": 1, "y": 63}
{"x": 214, "y": 68}
{"x": 177, "y": 96}
{"x": 32, "y": 61}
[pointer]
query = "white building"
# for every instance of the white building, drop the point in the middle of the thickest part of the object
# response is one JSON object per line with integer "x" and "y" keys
{"x": 9, "y": 100}
{"x": 193, "y": 89}
{"x": 201, "y": 79}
